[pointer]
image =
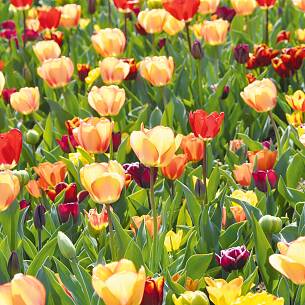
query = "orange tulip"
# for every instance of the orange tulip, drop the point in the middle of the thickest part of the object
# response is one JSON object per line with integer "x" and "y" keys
{"x": 109, "y": 42}
{"x": 113, "y": 70}
{"x": 300, "y": 4}
{"x": 244, "y": 7}
{"x": 192, "y": 147}
{"x": 148, "y": 221}
{"x": 46, "y": 49}
{"x": 26, "y": 101}
{"x": 215, "y": 32}
{"x": 290, "y": 262}
{"x": 56, "y": 72}
{"x": 243, "y": 174}
{"x": 33, "y": 188}
{"x": 238, "y": 213}
{"x": 103, "y": 181}
{"x": 172, "y": 26}
{"x": 296, "y": 101}
{"x": 152, "y": 21}
{"x": 260, "y": 95}
{"x": 236, "y": 144}
{"x": 158, "y": 70}
{"x": 175, "y": 168}
{"x": 265, "y": 158}
{"x": 23, "y": 290}
{"x": 119, "y": 283}
{"x": 94, "y": 134}
{"x": 155, "y": 147}
{"x": 208, "y": 6}
{"x": 51, "y": 173}
{"x": 107, "y": 100}
{"x": 70, "y": 15}
{"x": 9, "y": 189}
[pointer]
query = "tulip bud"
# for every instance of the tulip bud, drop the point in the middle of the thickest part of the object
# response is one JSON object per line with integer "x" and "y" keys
{"x": 225, "y": 93}
{"x": 39, "y": 217}
{"x": 13, "y": 266}
{"x": 152, "y": 4}
{"x": 23, "y": 204}
{"x": 197, "y": 51}
{"x": 199, "y": 189}
{"x": 66, "y": 246}
{"x": 241, "y": 53}
{"x": 23, "y": 177}
{"x": 32, "y": 137}
{"x": 191, "y": 298}
{"x": 91, "y": 6}
{"x": 271, "y": 224}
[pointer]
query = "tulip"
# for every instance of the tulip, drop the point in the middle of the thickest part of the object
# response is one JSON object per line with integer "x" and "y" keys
{"x": 243, "y": 174}
{"x": 10, "y": 148}
{"x": 295, "y": 119}
{"x": 259, "y": 298}
{"x": 66, "y": 142}
{"x": 172, "y": 241}
{"x": 271, "y": 224}
{"x": 33, "y": 189}
{"x": 290, "y": 262}
{"x": 126, "y": 6}
{"x": 45, "y": 50}
{"x": 155, "y": 147}
{"x": 247, "y": 196}
{"x": 153, "y": 291}
{"x": 244, "y": 7}
{"x": 13, "y": 266}
{"x": 9, "y": 189}
{"x": 300, "y": 4}
{"x": 83, "y": 71}
{"x": 97, "y": 221}
{"x": 109, "y": 42}
{"x": 238, "y": 213}
{"x": 23, "y": 289}
{"x": 2, "y": 82}
{"x": 157, "y": 70}
{"x": 261, "y": 57}
{"x": 260, "y": 95}
{"x": 113, "y": 70}
{"x": 300, "y": 34}
{"x": 103, "y": 181}
{"x": 94, "y": 134}
{"x": 241, "y": 53}
{"x": 108, "y": 280}
{"x": 175, "y": 168}
{"x": 192, "y": 147}
{"x": 191, "y": 298}
{"x": 260, "y": 179}
{"x": 172, "y": 26}
{"x": 205, "y": 126}
{"x": 39, "y": 217}
{"x": 236, "y": 145}
{"x": 49, "y": 17}
{"x": 148, "y": 221}
{"x": 26, "y": 101}
{"x": 133, "y": 69}
{"x": 66, "y": 246}
{"x": 197, "y": 51}
{"x": 152, "y": 21}
{"x": 264, "y": 159}
{"x": 266, "y": 4}
{"x": 283, "y": 36}
{"x": 21, "y": 4}
{"x": 55, "y": 35}
{"x": 51, "y": 174}
{"x": 107, "y": 100}
{"x": 23, "y": 204}
{"x": 56, "y": 72}
{"x": 215, "y": 32}
{"x": 70, "y": 15}
{"x": 208, "y": 6}
{"x": 6, "y": 94}
{"x": 233, "y": 258}
{"x": 226, "y": 13}
{"x": 180, "y": 9}
{"x": 296, "y": 101}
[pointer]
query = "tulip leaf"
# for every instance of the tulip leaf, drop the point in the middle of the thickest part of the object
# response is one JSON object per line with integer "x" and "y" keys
{"x": 197, "y": 265}
{"x": 252, "y": 145}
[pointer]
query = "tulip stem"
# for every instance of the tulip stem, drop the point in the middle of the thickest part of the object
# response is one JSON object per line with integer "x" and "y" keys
{"x": 113, "y": 256}
{"x": 154, "y": 214}
{"x": 267, "y": 27}
{"x": 24, "y": 28}
{"x": 125, "y": 25}
{"x": 199, "y": 81}
{"x": 276, "y": 131}
{"x": 187, "y": 27}
{"x": 13, "y": 233}
{"x": 148, "y": 198}
{"x": 109, "y": 13}
{"x": 111, "y": 149}
{"x": 39, "y": 240}
{"x": 204, "y": 173}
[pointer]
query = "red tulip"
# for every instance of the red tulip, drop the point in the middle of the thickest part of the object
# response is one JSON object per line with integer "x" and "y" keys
{"x": 10, "y": 148}
{"x": 181, "y": 9}
{"x": 204, "y": 125}
{"x": 21, "y": 3}
{"x": 49, "y": 18}
{"x": 153, "y": 291}
{"x": 266, "y": 3}
{"x": 126, "y": 5}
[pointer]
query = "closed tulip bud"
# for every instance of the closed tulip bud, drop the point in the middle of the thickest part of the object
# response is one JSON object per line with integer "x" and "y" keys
{"x": 23, "y": 204}
{"x": 199, "y": 189}
{"x": 191, "y": 298}
{"x": 244, "y": 7}
{"x": 13, "y": 266}
{"x": 264, "y": 159}
{"x": 83, "y": 71}
{"x": 215, "y": 32}
{"x": 197, "y": 51}
{"x": 241, "y": 53}
{"x": 46, "y": 49}
{"x": 6, "y": 94}
{"x": 153, "y": 291}
{"x": 271, "y": 224}
{"x": 66, "y": 246}
{"x": 261, "y": 177}
{"x": 225, "y": 92}
{"x": 148, "y": 221}
{"x": 113, "y": 70}
{"x": 32, "y": 137}
{"x": 226, "y": 13}
{"x": 70, "y": 15}
{"x": 243, "y": 174}
{"x": 172, "y": 241}
{"x": 26, "y": 100}
{"x": 33, "y": 188}
{"x": 39, "y": 217}
{"x": 23, "y": 177}
{"x": 192, "y": 147}
{"x": 91, "y": 6}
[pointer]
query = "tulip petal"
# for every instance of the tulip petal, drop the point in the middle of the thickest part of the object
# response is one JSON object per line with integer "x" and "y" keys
{"x": 6, "y": 294}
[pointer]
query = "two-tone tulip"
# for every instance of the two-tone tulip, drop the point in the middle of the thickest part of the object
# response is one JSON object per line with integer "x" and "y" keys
{"x": 26, "y": 100}
{"x": 113, "y": 70}
{"x": 9, "y": 188}
{"x": 215, "y": 32}
{"x": 244, "y": 7}
{"x": 70, "y": 15}
{"x": 46, "y": 49}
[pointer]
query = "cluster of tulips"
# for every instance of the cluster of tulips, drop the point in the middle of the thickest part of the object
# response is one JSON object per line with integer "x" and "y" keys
{"x": 152, "y": 152}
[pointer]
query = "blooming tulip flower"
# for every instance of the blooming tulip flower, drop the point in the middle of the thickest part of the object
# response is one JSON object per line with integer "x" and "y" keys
{"x": 265, "y": 158}
{"x": 119, "y": 283}
{"x": 172, "y": 26}
{"x": 33, "y": 188}
{"x": 49, "y": 17}
{"x": 153, "y": 291}
{"x": 295, "y": 119}
{"x": 226, "y": 13}
{"x": 103, "y": 181}
{"x": 10, "y": 148}
{"x": 296, "y": 101}
{"x": 244, "y": 7}
{"x": 23, "y": 289}
{"x": 236, "y": 145}
{"x": 48, "y": 49}
{"x": 180, "y": 9}
{"x": 260, "y": 95}
{"x": 148, "y": 221}
{"x": 21, "y": 4}
{"x": 174, "y": 170}
{"x": 113, "y": 70}
{"x": 26, "y": 100}
{"x": 259, "y": 298}
{"x": 152, "y": 21}
{"x": 215, "y": 32}
{"x": 70, "y": 15}
{"x": 126, "y": 6}
{"x": 243, "y": 174}
{"x": 172, "y": 241}
{"x": 55, "y": 35}
{"x": 82, "y": 71}
{"x": 109, "y": 42}
{"x": 300, "y": 4}
{"x": 97, "y": 221}
{"x": 208, "y": 6}
{"x": 9, "y": 189}
{"x": 247, "y": 196}
{"x": 192, "y": 147}
{"x": 260, "y": 179}
{"x": 155, "y": 147}
{"x": 266, "y": 4}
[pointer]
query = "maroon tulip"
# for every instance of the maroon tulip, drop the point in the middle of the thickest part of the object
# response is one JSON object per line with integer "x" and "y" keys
{"x": 181, "y": 9}
{"x": 10, "y": 148}
{"x": 30, "y": 35}
{"x": 153, "y": 291}
{"x": 49, "y": 18}
{"x": 267, "y": 144}
{"x": 21, "y": 3}
{"x": 241, "y": 53}
{"x": 225, "y": 13}
{"x": 66, "y": 143}
{"x": 39, "y": 217}
{"x": 116, "y": 141}
{"x": 8, "y": 25}
{"x": 6, "y": 94}
{"x": 260, "y": 179}
{"x": 23, "y": 204}
{"x": 233, "y": 258}
{"x": 133, "y": 69}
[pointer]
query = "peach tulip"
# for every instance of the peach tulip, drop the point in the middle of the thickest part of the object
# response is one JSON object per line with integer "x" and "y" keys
{"x": 9, "y": 189}
{"x": 46, "y": 49}
{"x": 26, "y": 100}
{"x": 193, "y": 147}
{"x": 244, "y": 7}
{"x": 300, "y": 4}
{"x": 172, "y": 26}
{"x": 155, "y": 147}
{"x": 235, "y": 145}
{"x": 113, "y": 70}
{"x": 260, "y": 95}
{"x": 243, "y": 174}
{"x": 56, "y": 72}
{"x": 109, "y": 42}
{"x": 300, "y": 35}
{"x": 33, "y": 188}
{"x": 175, "y": 168}
{"x": 158, "y": 70}
{"x": 208, "y": 6}
{"x": 103, "y": 181}
{"x": 148, "y": 221}
{"x": 215, "y": 32}
{"x": 23, "y": 290}
{"x": 119, "y": 283}
{"x": 107, "y": 100}
{"x": 2, "y": 82}
{"x": 51, "y": 173}
{"x": 265, "y": 158}
{"x": 70, "y": 15}
{"x": 94, "y": 134}
{"x": 152, "y": 21}
{"x": 290, "y": 262}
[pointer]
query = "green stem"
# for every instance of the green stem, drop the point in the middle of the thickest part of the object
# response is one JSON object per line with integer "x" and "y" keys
{"x": 155, "y": 220}
{"x": 13, "y": 232}
{"x": 276, "y": 131}
{"x": 111, "y": 153}
{"x": 39, "y": 240}
{"x": 204, "y": 174}
{"x": 187, "y": 27}
{"x": 113, "y": 256}
{"x": 199, "y": 77}
{"x": 109, "y": 13}
{"x": 24, "y": 28}
{"x": 125, "y": 25}
{"x": 148, "y": 198}
{"x": 267, "y": 27}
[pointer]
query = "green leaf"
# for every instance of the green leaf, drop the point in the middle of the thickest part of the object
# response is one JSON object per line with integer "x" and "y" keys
{"x": 197, "y": 265}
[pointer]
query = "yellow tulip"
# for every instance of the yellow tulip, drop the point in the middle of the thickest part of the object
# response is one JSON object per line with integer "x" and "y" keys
{"x": 215, "y": 32}
{"x": 119, "y": 283}
{"x": 300, "y": 34}
{"x": 244, "y": 7}
{"x": 259, "y": 298}
{"x": 296, "y": 101}
{"x": 295, "y": 119}
{"x": 152, "y": 21}
{"x": 208, "y": 6}
{"x": 172, "y": 26}
{"x": 191, "y": 298}
{"x": 247, "y": 196}
{"x": 173, "y": 240}
{"x": 93, "y": 76}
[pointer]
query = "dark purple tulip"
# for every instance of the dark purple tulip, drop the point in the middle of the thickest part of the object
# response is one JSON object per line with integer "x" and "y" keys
{"x": 266, "y": 144}
{"x": 116, "y": 141}
{"x": 140, "y": 174}
{"x": 197, "y": 51}
{"x": 241, "y": 53}
{"x": 91, "y": 6}
{"x": 226, "y": 13}
{"x": 39, "y": 217}
{"x": 161, "y": 43}
{"x": 225, "y": 93}
{"x": 260, "y": 179}
{"x": 233, "y": 258}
